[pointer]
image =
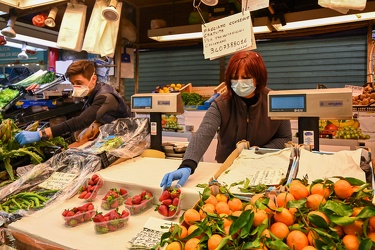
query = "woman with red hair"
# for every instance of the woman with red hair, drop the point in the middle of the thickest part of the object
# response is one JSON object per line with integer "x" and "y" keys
{"x": 238, "y": 114}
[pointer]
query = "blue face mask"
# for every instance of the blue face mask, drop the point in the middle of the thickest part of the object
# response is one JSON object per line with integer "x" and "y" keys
{"x": 243, "y": 87}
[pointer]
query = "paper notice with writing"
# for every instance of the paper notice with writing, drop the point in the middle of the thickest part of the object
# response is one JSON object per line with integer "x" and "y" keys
{"x": 252, "y": 5}
{"x": 357, "y": 90}
{"x": 58, "y": 181}
{"x": 228, "y": 35}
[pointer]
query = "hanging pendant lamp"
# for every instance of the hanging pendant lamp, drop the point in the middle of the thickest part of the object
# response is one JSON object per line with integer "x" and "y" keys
{"x": 9, "y": 31}
{"x": 110, "y": 13}
{"x": 50, "y": 20}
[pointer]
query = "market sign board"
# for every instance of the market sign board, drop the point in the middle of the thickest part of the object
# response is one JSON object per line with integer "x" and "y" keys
{"x": 10, "y": 55}
{"x": 228, "y": 35}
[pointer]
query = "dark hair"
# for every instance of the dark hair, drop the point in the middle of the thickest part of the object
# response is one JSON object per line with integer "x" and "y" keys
{"x": 254, "y": 67}
{"x": 84, "y": 67}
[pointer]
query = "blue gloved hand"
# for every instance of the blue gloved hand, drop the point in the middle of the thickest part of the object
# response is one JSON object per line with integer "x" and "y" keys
{"x": 181, "y": 174}
{"x": 26, "y": 137}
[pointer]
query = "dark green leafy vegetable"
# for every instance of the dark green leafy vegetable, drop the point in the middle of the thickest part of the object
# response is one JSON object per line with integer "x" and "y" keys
{"x": 7, "y": 95}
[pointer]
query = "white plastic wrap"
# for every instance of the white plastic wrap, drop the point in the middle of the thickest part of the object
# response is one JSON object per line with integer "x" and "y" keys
{"x": 343, "y": 6}
{"x": 124, "y": 138}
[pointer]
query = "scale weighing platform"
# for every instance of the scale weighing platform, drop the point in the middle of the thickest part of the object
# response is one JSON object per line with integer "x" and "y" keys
{"x": 308, "y": 106}
{"x": 156, "y": 104}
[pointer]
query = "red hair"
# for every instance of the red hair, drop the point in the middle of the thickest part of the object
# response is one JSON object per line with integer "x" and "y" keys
{"x": 254, "y": 67}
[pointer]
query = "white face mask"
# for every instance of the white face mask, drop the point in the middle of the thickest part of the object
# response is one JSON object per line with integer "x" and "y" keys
{"x": 243, "y": 87}
{"x": 80, "y": 91}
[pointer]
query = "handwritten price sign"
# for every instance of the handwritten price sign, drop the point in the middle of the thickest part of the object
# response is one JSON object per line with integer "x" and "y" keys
{"x": 58, "y": 181}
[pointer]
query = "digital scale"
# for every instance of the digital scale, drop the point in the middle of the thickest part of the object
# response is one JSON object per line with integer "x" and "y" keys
{"x": 156, "y": 104}
{"x": 308, "y": 106}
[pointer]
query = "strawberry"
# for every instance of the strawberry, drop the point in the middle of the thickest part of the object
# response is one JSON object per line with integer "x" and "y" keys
{"x": 115, "y": 204}
{"x": 72, "y": 222}
{"x": 176, "y": 201}
{"x": 70, "y": 213}
{"x": 166, "y": 202}
{"x": 143, "y": 193}
{"x": 90, "y": 182}
{"x": 129, "y": 201}
{"x": 82, "y": 195}
{"x": 90, "y": 207}
{"x": 65, "y": 212}
{"x": 123, "y": 191}
{"x": 171, "y": 213}
{"x": 87, "y": 216}
{"x": 98, "y": 217}
{"x": 137, "y": 199}
{"x": 148, "y": 195}
{"x": 112, "y": 228}
{"x": 164, "y": 195}
{"x": 163, "y": 210}
{"x": 125, "y": 213}
{"x": 174, "y": 192}
{"x": 87, "y": 195}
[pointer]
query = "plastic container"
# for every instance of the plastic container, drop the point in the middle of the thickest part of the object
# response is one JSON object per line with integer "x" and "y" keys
{"x": 79, "y": 216}
{"x": 111, "y": 225}
{"x": 90, "y": 188}
{"x": 113, "y": 203}
{"x": 140, "y": 208}
{"x": 172, "y": 210}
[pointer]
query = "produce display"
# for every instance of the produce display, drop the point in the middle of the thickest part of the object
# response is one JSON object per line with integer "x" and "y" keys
{"x": 139, "y": 203}
{"x": 366, "y": 98}
{"x": 168, "y": 88}
{"x": 90, "y": 189}
{"x": 170, "y": 123}
{"x": 26, "y": 201}
{"x": 77, "y": 215}
{"x": 7, "y": 95}
{"x": 11, "y": 150}
{"x": 114, "y": 198}
{"x": 170, "y": 200}
{"x": 192, "y": 99}
{"x": 111, "y": 221}
{"x": 40, "y": 77}
{"x": 324, "y": 214}
{"x": 342, "y": 129}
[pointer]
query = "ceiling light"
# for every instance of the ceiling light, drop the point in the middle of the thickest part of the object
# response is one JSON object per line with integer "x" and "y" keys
{"x": 110, "y": 13}
{"x": 50, "y": 20}
{"x": 23, "y": 55}
{"x": 9, "y": 31}
{"x": 186, "y": 32}
{"x": 29, "y": 4}
{"x": 34, "y": 40}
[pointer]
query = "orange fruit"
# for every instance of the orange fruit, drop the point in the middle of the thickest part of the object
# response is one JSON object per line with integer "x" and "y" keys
{"x": 312, "y": 236}
{"x": 283, "y": 198}
{"x": 183, "y": 230}
{"x": 206, "y": 208}
{"x": 222, "y": 197}
{"x": 211, "y": 200}
{"x": 236, "y": 213}
{"x": 319, "y": 213}
{"x": 227, "y": 222}
{"x": 192, "y": 229}
{"x": 320, "y": 188}
{"x": 284, "y": 216}
{"x": 214, "y": 241}
{"x": 280, "y": 230}
{"x": 255, "y": 198}
{"x": 339, "y": 230}
{"x": 351, "y": 242}
{"x": 309, "y": 248}
{"x": 192, "y": 244}
{"x": 266, "y": 233}
{"x": 299, "y": 191}
{"x": 235, "y": 204}
{"x": 297, "y": 240}
{"x": 371, "y": 236}
{"x": 191, "y": 215}
{"x": 371, "y": 222}
{"x": 259, "y": 216}
{"x": 174, "y": 246}
{"x": 222, "y": 208}
{"x": 356, "y": 211}
{"x": 343, "y": 189}
{"x": 292, "y": 210}
{"x": 354, "y": 229}
{"x": 271, "y": 205}
{"x": 248, "y": 207}
{"x": 314, "y": 200}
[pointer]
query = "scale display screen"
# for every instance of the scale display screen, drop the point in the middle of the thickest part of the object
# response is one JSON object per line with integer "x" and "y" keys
{"x": 287, "y": 103}
{"x": 142, "y": 102}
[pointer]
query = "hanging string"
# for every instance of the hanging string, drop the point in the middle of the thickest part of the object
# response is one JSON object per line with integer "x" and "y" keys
{"x": 199, "y": 11}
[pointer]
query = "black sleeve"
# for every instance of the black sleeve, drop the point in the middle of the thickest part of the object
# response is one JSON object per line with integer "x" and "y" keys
{"x": 87, "y": 117}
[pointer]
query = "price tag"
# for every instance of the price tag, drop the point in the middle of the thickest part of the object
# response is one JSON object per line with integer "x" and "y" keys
{"x": 228, "y": 35}
{"x": 58, "y": 181}
{"x": 357, "y": 90}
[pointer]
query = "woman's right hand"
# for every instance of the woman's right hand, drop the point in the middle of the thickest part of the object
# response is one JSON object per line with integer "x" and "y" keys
{"x": 181, "y": 174}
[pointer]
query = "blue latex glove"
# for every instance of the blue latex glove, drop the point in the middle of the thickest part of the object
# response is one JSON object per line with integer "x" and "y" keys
{"x": 26, "y": 137}
{"x": 181, "y": 174}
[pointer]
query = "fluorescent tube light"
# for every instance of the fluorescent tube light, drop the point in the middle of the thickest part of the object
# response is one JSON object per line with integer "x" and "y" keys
{"x": 186, "y": 32}
{"x": 29, "y": 4}
{"x": 37, "y": 41}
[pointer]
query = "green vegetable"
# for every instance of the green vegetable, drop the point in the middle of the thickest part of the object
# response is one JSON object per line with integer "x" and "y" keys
{"x": 37, "y": 76}
{"x": 192, "y": 98}
{"x": 7, "y": 95}
{"x": 110, "y": 144}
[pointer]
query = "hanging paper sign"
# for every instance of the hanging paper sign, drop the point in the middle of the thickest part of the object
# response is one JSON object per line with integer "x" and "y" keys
{"x": 228, "y": 35}
{"x": 58, "y": 181}
{"x": 252, "y": 5}
{"x": 357, "y": 90}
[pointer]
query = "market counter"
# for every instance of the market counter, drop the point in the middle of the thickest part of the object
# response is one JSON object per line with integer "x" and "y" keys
{"x": 47, "y": 226}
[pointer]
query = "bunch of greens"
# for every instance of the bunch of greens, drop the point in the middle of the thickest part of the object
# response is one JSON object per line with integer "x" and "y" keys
{"x": 192, "y": 99}
{"x": 7, "y": 95}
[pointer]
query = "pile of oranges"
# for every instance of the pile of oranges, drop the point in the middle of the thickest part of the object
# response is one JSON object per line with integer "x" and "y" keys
{"x": 322, "y": 215}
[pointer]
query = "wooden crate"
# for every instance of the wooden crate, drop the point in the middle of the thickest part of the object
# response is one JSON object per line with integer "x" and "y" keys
{"x": 205, "y": 92}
